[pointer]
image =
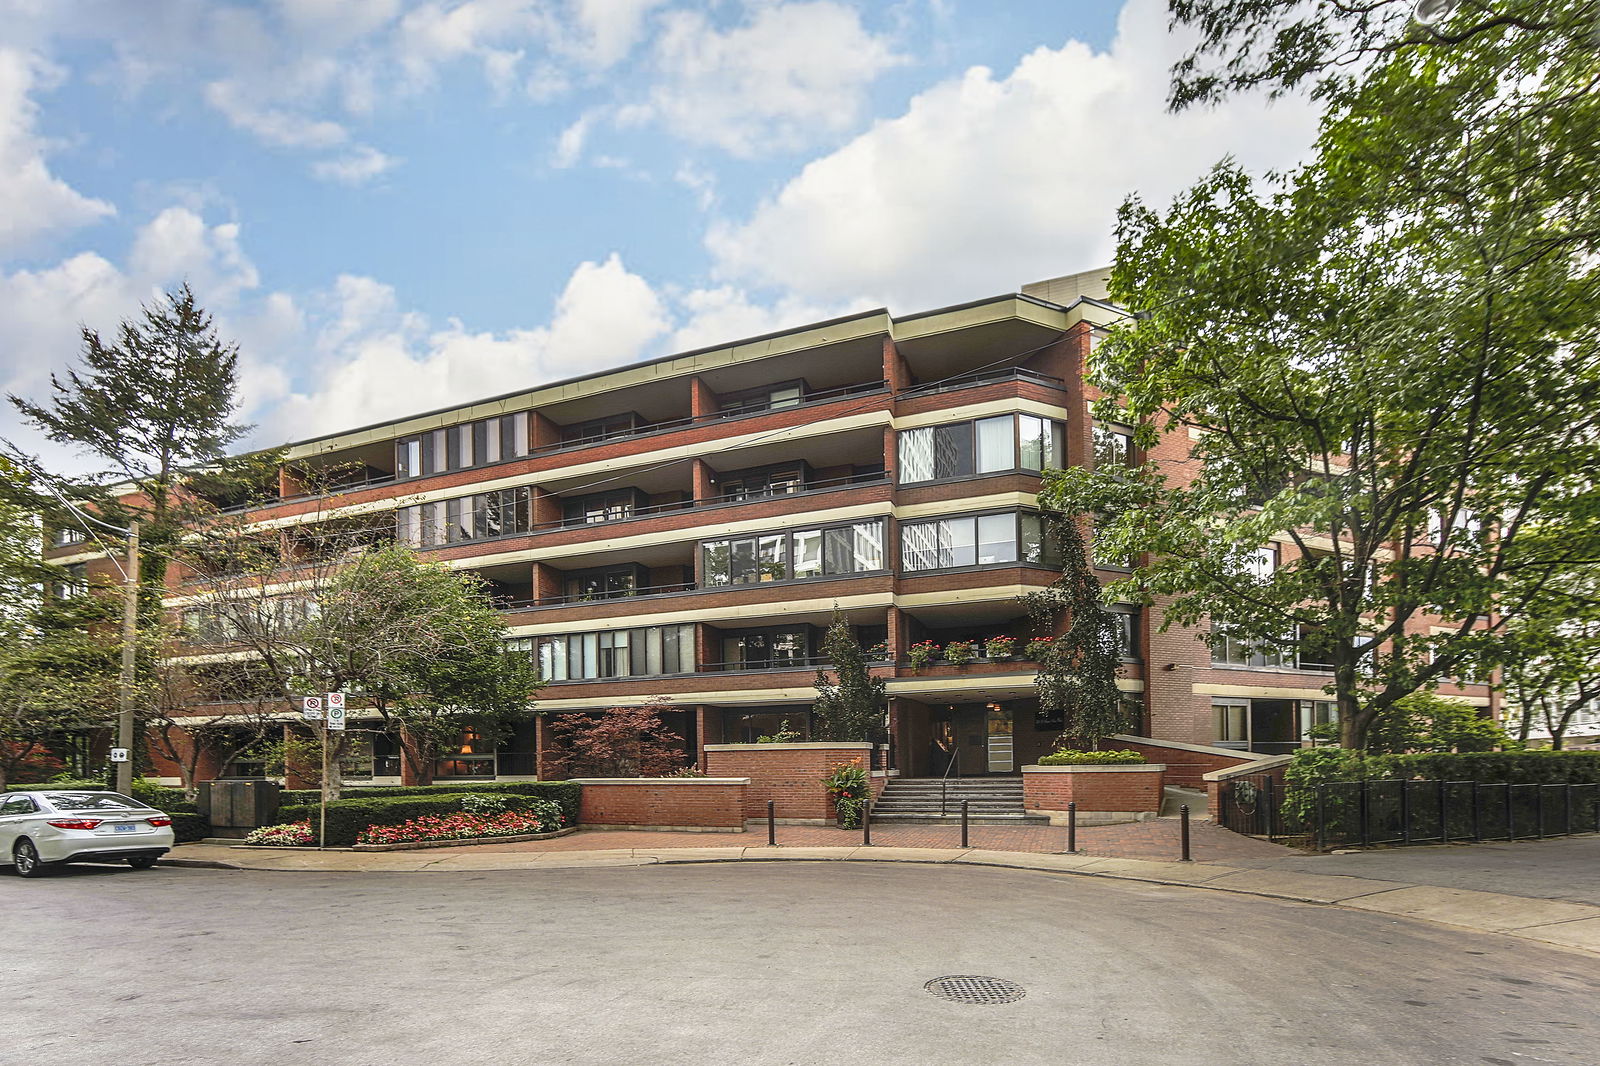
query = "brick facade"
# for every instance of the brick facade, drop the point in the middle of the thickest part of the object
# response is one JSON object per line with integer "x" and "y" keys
{"x": 1123, "y": 789}
{"x": 701, "y": 803}
{"x": 788, "y": 774}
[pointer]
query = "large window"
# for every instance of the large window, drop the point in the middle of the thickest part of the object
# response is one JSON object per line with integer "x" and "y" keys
{"x": 1309, "y": 651}
{"x": 598, "y": 507}
{"x": 480, "y": 517}
{"x": 764, "y": 398}
{"x": 606, "y": 583}
{"x": 618, "y": 653}
{"x": 974, "y": 540}
{"x": 488, "y": 440}
{"x": 767, "y": 649}
{"x": 985, "y": 446}
{"x": 850, "y": 549}
{"x": 599, "y": 429}
{"x": 763, "y": 481}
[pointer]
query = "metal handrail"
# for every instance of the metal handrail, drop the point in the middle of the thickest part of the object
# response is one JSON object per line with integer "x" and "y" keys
{"x": 944, "y": 782}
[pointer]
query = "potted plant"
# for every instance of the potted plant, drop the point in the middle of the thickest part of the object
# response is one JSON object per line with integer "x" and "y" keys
{"x": 958, "y": 652}
{"x": 847, "y": 788}
{"x": 879, "y": 652}
{"x": 922, "y": 653}
{"x": 1038, "y": 647}
{"x": 1000, "y": 647}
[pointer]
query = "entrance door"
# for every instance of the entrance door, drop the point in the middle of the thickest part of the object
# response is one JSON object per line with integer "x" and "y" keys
{"x": 1002, "y": 758}
{"x": 1274, "y": 727}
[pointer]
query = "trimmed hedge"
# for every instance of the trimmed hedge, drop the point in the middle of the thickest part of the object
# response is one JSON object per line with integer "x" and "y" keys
{"x": 1314, "y": 766}
{"x": 1068, "y": 757}
{"x": 565, "y": 793}
{"x": 348, "y": 817}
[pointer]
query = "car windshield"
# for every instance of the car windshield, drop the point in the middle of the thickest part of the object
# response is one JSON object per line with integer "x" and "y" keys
{"x": 92, "y": 801}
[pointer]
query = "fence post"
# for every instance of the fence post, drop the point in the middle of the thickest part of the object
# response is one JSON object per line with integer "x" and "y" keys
{"x": 1567, "y": 795}
{"x": 772, "y": 825}
{"x": 1272, "y": 810}
{"x": 964, "y": 804}
{"x": 1072, "y": 827}
{"x": 1538, "y": 808}
{"x": 1405, "y": 812}
{"x": 1444, "y": 815}
{"x": 1364, "y": 807}
{"x": 1322, "y": 818}
{"x": 1183, "y": 826}
{"x": 1477, "y": 813}
{"x": 1511, "y": 833}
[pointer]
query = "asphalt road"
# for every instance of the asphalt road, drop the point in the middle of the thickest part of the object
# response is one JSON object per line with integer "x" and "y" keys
{"x": 792, "y": 963}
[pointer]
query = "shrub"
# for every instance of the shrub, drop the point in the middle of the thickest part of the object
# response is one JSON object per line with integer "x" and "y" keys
{"x": 784, "y": 735}
{"x": 564, "y": 793}
{"x": 289, "y": 835}
{"x": 1070, "y": 757}
{"x": 348, "y": 818}
{"x": 619, "y": 742}
{"x": 1317, "y": 766}
{"x": 542, "y": 816}
{"x": 478, "y": 803}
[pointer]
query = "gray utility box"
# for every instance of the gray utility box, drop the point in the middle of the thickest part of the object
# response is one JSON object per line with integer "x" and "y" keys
{"x": 235, "y": 807}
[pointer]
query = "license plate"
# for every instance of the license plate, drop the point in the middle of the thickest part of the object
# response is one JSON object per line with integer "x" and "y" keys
{"x": 124, "y": 828}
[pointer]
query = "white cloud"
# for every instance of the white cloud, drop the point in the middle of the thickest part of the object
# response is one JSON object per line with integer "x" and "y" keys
{"x": 602, "y": 33}
{"x": 724, "y": 313}
{"x": 374, "y": 359}
{"x": 987, "y": 182}
{"x": 35, "y": 202}
{"x": 271, "y": 125}
{"x": 356, "y": 167}
{"x": 569, "y": 145}
{"x": 178, "y": 245}
{"x": 792, "y": 73}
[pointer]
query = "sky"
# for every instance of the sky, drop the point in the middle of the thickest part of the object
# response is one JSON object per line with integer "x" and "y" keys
{"x": 393, "y": 205}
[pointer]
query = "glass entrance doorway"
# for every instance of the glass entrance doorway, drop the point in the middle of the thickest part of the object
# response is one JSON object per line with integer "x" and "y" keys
{"x": 1002, "y": 750}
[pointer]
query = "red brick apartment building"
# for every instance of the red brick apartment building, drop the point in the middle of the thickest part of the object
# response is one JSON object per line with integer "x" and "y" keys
{"x": 685, "y": 528}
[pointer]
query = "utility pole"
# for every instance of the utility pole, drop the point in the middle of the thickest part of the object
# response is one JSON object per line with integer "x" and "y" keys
{"x": 130, "y": 631}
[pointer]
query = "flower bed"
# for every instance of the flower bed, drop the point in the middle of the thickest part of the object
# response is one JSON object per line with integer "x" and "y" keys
{"x": 1070, "y": 757}
{"x": 544, "y": 818}
{"x": 291, "y": 835}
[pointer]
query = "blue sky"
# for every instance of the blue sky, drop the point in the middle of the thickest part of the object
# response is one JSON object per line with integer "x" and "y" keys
{"x": 392, "y": 205}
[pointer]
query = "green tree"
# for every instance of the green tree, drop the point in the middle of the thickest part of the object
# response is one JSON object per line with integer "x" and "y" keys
{"x": 850, "y": 705}
{"x": 1424, "y": 721}
{"x": 1078, "y": 670}
{"x": 417, "y": 643}
{"x": 1388, "y": 357}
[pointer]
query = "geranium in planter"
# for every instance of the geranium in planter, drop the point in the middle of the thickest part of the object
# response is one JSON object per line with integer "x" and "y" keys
{"x": 1038, "y": 647}
{"x": 959, "y": 652}
{"x": 922, "y": 653}
{"x": 1001, "y": 647}
{"x": 292, "y": 835}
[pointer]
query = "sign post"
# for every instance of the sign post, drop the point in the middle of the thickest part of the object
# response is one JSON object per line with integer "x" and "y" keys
{"x": 311, "y": 711}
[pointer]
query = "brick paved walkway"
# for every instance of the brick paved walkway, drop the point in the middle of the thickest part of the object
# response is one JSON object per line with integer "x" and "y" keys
{"x": 1136, "y": 840}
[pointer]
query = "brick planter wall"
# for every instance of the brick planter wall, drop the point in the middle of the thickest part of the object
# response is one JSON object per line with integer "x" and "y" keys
{"x": 1125, "y": 789}
{"x": 663, "y": 803}
{"x": 1187, "y": 764}
{"x": 788, "y": 774}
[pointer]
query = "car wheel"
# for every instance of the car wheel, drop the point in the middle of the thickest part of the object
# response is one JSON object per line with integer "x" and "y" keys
{"x": 26, "y": 858}
{"x": 142, "y": 862}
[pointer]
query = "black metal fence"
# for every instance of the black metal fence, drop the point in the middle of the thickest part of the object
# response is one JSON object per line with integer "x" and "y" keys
{"x": 1351, "y": 813}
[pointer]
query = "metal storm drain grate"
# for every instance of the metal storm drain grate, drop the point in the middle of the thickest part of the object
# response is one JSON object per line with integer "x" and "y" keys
{"x": 965, "y": 988}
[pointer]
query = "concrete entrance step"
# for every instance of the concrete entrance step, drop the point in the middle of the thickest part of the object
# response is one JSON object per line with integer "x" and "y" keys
{"x": 991, "y": 818}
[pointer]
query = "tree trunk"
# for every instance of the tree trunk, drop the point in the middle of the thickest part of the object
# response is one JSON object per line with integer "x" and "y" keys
{"x": 416, "y": 763}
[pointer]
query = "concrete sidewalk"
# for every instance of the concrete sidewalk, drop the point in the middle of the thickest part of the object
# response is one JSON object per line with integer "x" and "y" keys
{"x": 1528, "y": 915}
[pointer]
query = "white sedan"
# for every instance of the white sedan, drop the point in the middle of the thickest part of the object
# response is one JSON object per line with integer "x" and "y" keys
{"x": 47, "y": 827}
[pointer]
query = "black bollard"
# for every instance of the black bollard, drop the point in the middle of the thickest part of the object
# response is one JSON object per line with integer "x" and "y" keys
{"x": 772, "y": 826}
{"x": 1072, "y": 827}
{"x": 1183, "y": 828}
{"x": 964, "y": 822}
{"x": 866, "y": 823}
